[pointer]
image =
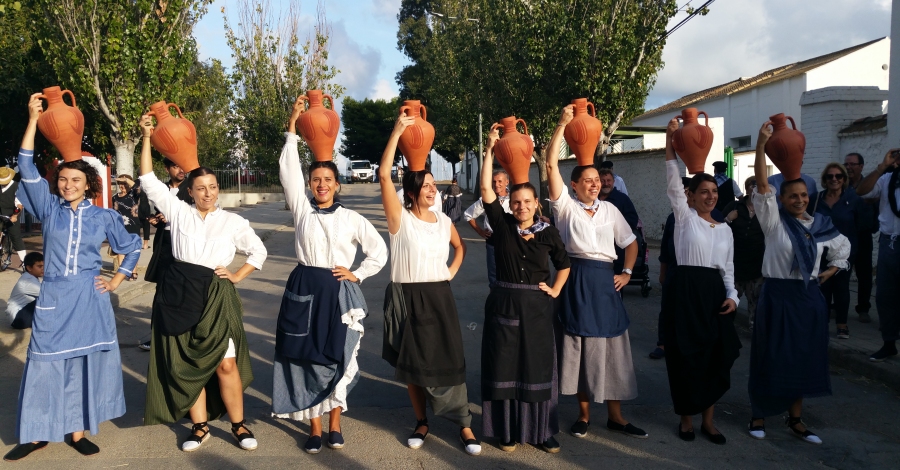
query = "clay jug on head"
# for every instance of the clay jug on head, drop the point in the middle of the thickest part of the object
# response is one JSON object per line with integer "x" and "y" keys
{"x": 416, "y": 141}
{"x": 175, "y": 138}
{"x": 786, "y": 146}
{"x": 693, "y": 141}
{"x": 61, "y": 124}
{"x": 583, "y": 133}
{"x": 514, "y": 149}
{"x": 319, "y": 125}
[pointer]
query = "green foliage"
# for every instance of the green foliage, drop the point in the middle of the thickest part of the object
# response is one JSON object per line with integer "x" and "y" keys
{"x": 207, "y": 104}
{"x": 367, "y": 127}
{"x": 118, "y": 56}
{"x": 271, "y": 69}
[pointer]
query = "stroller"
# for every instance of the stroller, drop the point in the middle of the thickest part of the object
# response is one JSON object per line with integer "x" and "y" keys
{"x": 640, "y": 275}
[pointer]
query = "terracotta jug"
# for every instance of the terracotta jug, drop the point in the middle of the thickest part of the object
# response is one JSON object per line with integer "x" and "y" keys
{"x": 583, "y": 133}
{"x": 61, "y": 124}
{"x": 786, "y": 146}
{"x": 416, "y": 141}
{"x": 514, "y": 149}
{"x": 319, "y": 125}
{"x": 175, "y": 138}
{"x": 693, "y": 141}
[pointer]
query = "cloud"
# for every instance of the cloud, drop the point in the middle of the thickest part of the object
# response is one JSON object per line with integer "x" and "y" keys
{"x": 358, "y": 65}
{"x": 746, "y": 38}
{"x": 384, "y": 90}
{"x": 388, "y": 8}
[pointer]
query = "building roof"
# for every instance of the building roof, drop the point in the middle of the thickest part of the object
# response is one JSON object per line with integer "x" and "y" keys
{"x": 866, "y": 124}
{"x": 746, "y": 83}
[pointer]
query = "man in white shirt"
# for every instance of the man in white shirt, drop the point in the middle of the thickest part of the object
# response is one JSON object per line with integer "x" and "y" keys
{"x": 618, "y": 182}
{"x": 500, "y": 183}
{"x": 885, "y": 187}
{"x": 22, "y": 300}
{"x": 11, "y": 207}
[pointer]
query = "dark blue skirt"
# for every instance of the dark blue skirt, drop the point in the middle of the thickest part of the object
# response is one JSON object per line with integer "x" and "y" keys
{"x": 309, "y": 322}
{"x": 590, "y": 304}
{"x": 789, "y": 353}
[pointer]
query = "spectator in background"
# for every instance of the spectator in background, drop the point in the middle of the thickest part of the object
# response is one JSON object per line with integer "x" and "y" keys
{"x": 11, "y": 207}
{"x": 749, "y": 247}
{"x": 500, "y": 184}
{"x": 126, "y": 202}
{"x": 23, "y": 298}
{"x": 867, "y": 225}
{"x": 728, "y": 188}
{"x": 612, "y": 195}
{"x": 618, "y": 182}
{"x": 452, "y": 203}
{"x": 776, "y": 180}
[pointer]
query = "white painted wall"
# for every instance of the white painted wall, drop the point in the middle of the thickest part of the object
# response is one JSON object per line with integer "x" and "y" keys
{"x": 894, "y": 79}
{"x": 861, "y": 68}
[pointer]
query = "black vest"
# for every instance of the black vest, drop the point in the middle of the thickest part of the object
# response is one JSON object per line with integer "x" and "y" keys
{"x": 726, "y": 194}
{"x": 8, "y": 199}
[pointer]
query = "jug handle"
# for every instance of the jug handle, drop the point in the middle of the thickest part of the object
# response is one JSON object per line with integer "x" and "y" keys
{"x": 793, "y": 124}
{"x": 593, "y": 110}
{"x": 704, "y": 115}
{"x": 42, "y": 97}
{"x": 70, "y": 94}
{"x": 330, "y": 100}
{"x": 176, "y": 109}
{"x": 306, "y": 101}
{"x": 423, "y": 112}
{"x": 404, "y": 109}
{"x": 496, "y": 125}
{"x": 679, "y": 117}
{"x": 523, "y": 125}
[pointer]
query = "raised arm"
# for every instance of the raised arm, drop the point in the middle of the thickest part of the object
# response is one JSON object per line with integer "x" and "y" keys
{"x": 554, "y": 177}
{"x": 759, "y": 165}
{"x": 674, "y": 187}
{"x": 157, "y": 191}
{"x": 392, "y": 207}
{"x": 891, "y": 159}
{"x": 289, "y": 169}
{"x": 487, "y": 169}
{"x": 34, "y": 191}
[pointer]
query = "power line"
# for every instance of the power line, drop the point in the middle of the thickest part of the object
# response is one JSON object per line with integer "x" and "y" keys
{"x": 684, "y": 21}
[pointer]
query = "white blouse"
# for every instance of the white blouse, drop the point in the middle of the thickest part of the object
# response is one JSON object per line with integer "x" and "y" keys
{"x": 699, "y": 242}
{"x": 420, "y": 250}
{"x": 476, "y": 210}
{"x": 209, "y": 242}
{"x": 888, "y": 223}
{"x": 591, "y": 237}
{"x": 779, "y": 256}
{"x": 326, "y": 240}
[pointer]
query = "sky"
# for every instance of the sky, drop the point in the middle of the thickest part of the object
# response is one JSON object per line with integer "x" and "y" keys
{"x": 737, "y": 38}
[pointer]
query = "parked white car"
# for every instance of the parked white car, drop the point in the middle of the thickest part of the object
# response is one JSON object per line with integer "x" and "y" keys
{"x": 361, "y": 170}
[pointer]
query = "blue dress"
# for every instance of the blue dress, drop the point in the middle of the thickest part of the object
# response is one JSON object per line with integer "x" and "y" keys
{"x": 73, "y": 373}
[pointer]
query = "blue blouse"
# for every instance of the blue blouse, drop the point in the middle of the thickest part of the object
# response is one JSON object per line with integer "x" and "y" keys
{"x": 72, "y": 318}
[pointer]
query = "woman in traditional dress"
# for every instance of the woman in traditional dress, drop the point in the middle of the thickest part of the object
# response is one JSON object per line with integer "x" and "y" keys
{"x": 594, "y": 348}
{"x": 73, "y": 372}
{"x": 518, "y": 349}
{"x": 698, "y": 318}
{"x": 320, "y": 322}
{"x": 453, "y": 202}
{"x": 199, "y": 360}
{"x": 839, "y": 202}
{"x": 789, "y": 350}
{"x": 422, "y": 337}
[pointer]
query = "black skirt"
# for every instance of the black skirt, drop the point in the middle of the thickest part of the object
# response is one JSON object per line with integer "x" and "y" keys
{"x": 517, "y": 348}
{"x": 431, "y": 349}
{"x": 181, "y": 295}
{"x": 701, "y": 344}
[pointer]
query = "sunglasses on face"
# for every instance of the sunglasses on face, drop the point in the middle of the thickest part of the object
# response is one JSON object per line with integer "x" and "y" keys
{"x": 832, "y": 176}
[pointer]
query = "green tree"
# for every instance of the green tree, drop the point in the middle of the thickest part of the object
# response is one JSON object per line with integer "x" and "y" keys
{"x": 207, "y": 103}
{"x": 532, "y": 58}
{"x": 118, "y": 56}
{"x": 367, "y": 127}
{"x": 271, "y": 68}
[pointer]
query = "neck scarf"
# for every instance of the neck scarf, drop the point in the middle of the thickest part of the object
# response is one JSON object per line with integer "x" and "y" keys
{"x": 804, "y": 240}
{"x": 721, "y": 178}
{"x": 593, "y": 207}
{"x": 326, "y": 210}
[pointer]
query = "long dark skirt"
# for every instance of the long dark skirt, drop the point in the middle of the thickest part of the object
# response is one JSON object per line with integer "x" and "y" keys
{"x": 789, "y": 353}
{"x": 701, "y": 344}
{"x": 431, "y": 349}
{"x": 452, "y": 207}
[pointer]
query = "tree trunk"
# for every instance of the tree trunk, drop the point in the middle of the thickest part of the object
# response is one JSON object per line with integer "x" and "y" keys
{"x": 124, "y": 155}
{"x": 540, "y": 159}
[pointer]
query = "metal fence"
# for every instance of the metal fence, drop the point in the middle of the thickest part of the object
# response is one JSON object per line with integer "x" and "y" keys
{"x": 245, "y": 180}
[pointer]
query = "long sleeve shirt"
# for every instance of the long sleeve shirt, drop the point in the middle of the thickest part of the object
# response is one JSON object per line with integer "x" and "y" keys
{"x": 210, "y": 241}
{"x": 25, "y": 291}
{"x": 888, "y": 223}
{"x": 779, "y": 257}
{"x": 326, "y": 239}
{"x": 476, "y": 210}
{"x": 697, "y": 241}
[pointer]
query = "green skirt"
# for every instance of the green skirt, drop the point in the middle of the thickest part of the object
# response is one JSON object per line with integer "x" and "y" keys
{"x": 182, "y": 366}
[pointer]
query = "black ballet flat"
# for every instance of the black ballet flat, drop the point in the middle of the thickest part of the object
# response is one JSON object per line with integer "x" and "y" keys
{"x": 85, "y": 447}
{"x": 23, "y": 450}
{"x": 687, "y": 436}
{"x": 714, "y": 438}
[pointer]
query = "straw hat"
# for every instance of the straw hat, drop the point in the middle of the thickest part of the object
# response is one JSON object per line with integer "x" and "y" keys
{"x": 6, "y": 175}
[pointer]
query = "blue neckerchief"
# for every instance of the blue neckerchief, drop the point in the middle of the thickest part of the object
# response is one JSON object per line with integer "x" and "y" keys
{"x": 537, "y": 227}
{"x": 804, "y": 240}
{"x": 593, "y": 207}
{"x": 721, "y": 178}
{"x": 327, "y": 210}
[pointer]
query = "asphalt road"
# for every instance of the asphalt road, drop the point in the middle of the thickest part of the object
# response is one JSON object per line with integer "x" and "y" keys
{"x": 858, "y": 424}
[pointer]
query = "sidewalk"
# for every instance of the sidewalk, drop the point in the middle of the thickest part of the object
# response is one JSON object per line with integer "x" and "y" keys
{"x": 264, "y": 218}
